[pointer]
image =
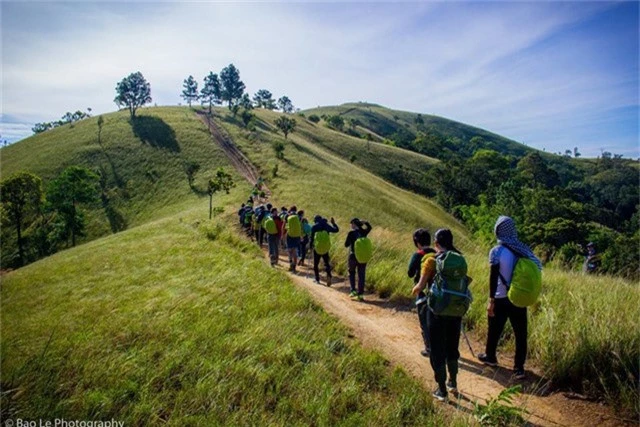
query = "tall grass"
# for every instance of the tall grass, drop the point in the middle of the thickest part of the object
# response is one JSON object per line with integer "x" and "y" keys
{"x": 183, "y": 323}
{"x": 583, "y": 333}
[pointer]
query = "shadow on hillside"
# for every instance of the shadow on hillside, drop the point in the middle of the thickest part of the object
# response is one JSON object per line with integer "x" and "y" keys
{"x": 155, "y": 132}
{"x": 305, "y": 150}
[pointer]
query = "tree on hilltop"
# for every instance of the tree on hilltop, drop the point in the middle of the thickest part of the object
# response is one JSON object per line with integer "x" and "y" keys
{"x": 232, "y": 86}
{"x": 133, "y": 92}
{"x": 190, "y": 91}
{"x": 211, "y": 92}
{"x": 285, "y": 105}
{"x": 264, "y": 99}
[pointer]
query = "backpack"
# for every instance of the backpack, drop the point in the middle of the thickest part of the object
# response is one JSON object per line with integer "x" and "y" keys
{"x": 449, "y": 294}
{"x": 526, "y": 282}
{"x": 270, "y": 225}
{"x": 248, "y": 217}
{"x": 322, "y": 242}
{"x": 294, "y": 228}
{"x": 363, "y": 249}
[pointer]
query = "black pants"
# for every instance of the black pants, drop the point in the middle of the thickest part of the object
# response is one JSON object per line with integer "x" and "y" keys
{"x": 423, "y": 317}
{"x": 444, "y": 336}
{"x": 316, "y": 264}
{"x": 361, "y": 268}
{"x": 261, "y": 236}
{"x": 504, "y": 310}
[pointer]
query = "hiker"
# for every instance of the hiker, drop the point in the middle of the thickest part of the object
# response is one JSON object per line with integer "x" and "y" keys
{"x": 248, "y": 219}
{"x": 321, "y": 243}
{"x": 257, "y": 214}
{"x": 502, "y": 259}
{"x": 422, "y": 241}
{"x": 359, "y": 230}
{"x": 283, "y": 230}
{"x": 592, "y": 259}
{"x": 273, "y": 235}
{"x": 294, "y": 234}
{"x": 306, "y": 234}
{"x": 446, "y": 272}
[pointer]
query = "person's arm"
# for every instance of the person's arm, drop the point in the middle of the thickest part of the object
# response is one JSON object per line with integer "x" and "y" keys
{"x": 335, "y": 228}
{"x": 428, "y": 273}
{"x": 313, "y": 235}
{"x": 349, "y": 240}
{"x": 493, "y": 287}
{"x": 366, "y": 228}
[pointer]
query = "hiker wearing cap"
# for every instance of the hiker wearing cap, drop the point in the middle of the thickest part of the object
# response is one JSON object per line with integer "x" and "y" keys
{"x": 448, "y": 301}
{"x": 360, "y": 251}
{"x": 294, "y": 234}
{"x": 503, "y": 258}
{"x": 321, "y": 244}
{"x": 422, "y": 241}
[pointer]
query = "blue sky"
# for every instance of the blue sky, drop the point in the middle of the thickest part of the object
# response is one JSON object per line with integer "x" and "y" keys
{"x": 554, "y": 75}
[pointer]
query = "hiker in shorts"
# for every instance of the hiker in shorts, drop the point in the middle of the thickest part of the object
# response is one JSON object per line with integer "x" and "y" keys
{"x": 502, "y": 259}
{"x": 321, "y": 243}
{"x": 443, "y": 331}
{"x": 306, "y": 235}
{"x": 294, "y": 234}
{"x": 358, "y": 229}
{"x": 422, "y": 241}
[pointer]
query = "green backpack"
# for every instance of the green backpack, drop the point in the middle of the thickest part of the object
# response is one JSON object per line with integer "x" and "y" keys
{"x": 270, "y": 225}
{"x": 363, "y": 249}
{"x": 449, "y": 294}
{"x": 322, "y": 242}
{"x": 248, "y": 218}
{"x": 294, "y": 228}
{"x": 526, "y": 283}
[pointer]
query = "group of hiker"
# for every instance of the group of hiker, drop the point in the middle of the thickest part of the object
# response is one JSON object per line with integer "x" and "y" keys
{"x": 439, "y": 273}
{"x": 290, "y": 230}
{"x": 441, "y": 288}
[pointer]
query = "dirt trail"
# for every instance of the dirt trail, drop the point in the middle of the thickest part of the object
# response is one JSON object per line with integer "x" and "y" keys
{"x": 237, "y": 159}
{"x": 394, "y": 331}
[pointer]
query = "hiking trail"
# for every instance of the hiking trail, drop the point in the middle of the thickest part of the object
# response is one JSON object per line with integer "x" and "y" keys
{"x": 394, "y": 331}
{"x": 235, "y": 156}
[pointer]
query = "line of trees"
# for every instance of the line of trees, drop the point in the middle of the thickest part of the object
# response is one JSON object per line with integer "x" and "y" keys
{"x": 67, "y": 118}
{"x": 44, "y": 220}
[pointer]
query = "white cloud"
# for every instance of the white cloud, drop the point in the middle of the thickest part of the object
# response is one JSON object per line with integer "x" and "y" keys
{"x": 493, "y": 65}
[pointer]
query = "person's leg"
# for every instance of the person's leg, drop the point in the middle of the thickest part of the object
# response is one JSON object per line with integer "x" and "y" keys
{"x": 422, "y": 317}
{"x": 496, "y": 326}
{"x": 316, "y": 263}
{"x": 273, "y": 247}
{"x": 352, "y": 271}
{"x": 436, "y": 332}
{"x": 518, "y": 319}
{"x": 294, "y": 252}
{"x": 327, "y": 264}
{"x": 362, "y": 268}
{"x": 452, "y": 339}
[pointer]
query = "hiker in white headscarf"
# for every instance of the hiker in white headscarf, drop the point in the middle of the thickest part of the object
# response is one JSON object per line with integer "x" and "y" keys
{"x": 502, "y": 259}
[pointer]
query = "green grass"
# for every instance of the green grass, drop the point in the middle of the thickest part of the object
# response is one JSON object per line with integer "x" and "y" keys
{"x": 183, "y": 323}
{"x": 144, "y": 164}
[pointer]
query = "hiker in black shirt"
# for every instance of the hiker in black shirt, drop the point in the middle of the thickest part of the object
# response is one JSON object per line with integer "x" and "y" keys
{"x": 358, "y": 229}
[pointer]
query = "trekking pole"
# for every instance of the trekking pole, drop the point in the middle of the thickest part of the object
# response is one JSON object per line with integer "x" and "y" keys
{"x": 467, "y": 339}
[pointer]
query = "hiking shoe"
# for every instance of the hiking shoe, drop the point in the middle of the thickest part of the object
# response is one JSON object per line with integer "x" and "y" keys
{"x": 519, "y": 374}
{"x": 425, "y": 352}
{"x": 486, "y": 360}
{"x": 329, "y": 281}
{"x": 440, "y": 395}
{"x": 316, "y": 281}
{"x": 360, "y": 297}
{"x": 452, "y": 386}
{"x": 353, "y": 294}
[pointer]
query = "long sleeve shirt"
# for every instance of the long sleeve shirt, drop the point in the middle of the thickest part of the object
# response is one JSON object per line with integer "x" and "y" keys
{"x": 323, "y": 226}
{"x": 355, "y": 235}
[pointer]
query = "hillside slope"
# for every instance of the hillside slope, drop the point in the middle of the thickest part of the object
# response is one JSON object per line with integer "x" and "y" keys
{"x": 402, "y": 127}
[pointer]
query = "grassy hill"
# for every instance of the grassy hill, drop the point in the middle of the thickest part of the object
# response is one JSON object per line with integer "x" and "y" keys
{"x": 317, "y": 175}
{"x": 401, "y": 126}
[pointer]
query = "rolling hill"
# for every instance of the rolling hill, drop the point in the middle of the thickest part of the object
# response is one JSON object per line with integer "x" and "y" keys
{"x": 144, "y": 168}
